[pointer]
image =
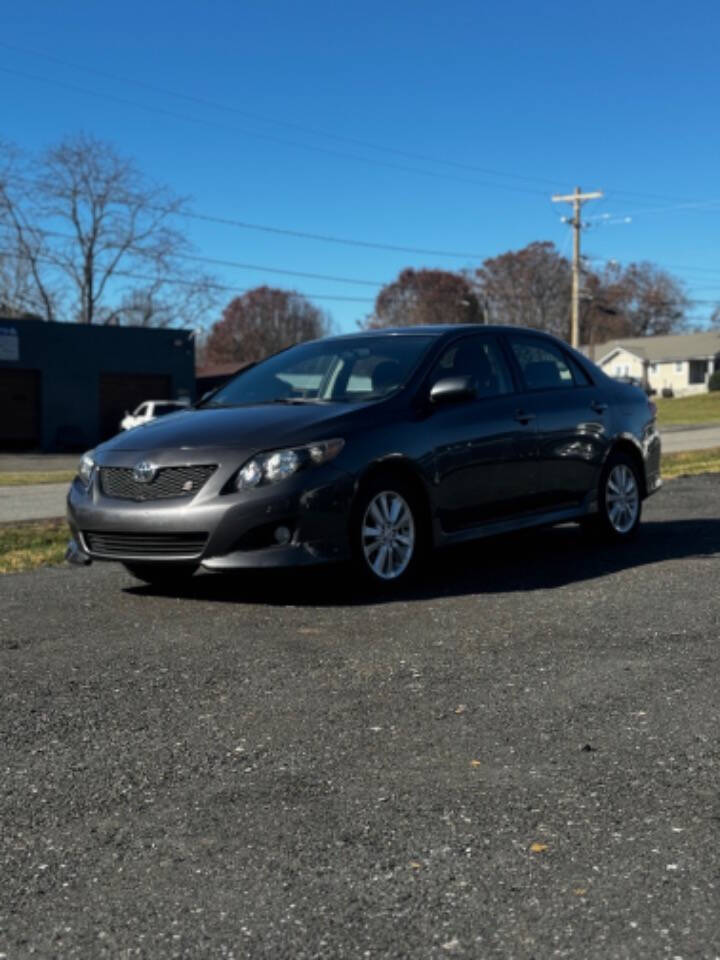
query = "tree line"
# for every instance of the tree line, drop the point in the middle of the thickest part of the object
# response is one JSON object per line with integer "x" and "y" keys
{"x": 532, "y": 288}
{"x": 86, "y": 236}
{"x": 529, "y": 287}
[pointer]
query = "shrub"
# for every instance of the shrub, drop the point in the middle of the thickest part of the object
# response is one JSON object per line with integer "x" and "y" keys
{"x": 714, "y": 381}
{"x": 667, "y": 392}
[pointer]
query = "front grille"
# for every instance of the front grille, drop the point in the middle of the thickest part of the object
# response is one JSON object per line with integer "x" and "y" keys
{"x": 144, "y": 544}
{"x": 167, "y": 483}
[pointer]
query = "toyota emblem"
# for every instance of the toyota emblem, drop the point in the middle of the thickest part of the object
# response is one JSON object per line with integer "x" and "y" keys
{"x": 144, "y": 471}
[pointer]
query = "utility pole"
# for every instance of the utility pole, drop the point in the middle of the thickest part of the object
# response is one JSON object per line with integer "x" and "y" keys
{"x": 576, "y": 199}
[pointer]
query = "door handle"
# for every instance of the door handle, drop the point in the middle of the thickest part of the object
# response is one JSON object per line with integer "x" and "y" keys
{"x": 598, "y": 406}
{"x": 522, "y": 417}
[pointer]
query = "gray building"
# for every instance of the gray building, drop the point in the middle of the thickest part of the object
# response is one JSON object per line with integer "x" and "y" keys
{"x": 66, "y": 386}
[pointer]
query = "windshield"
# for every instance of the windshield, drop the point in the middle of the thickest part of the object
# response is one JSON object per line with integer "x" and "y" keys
{"x": 345, "y": 371}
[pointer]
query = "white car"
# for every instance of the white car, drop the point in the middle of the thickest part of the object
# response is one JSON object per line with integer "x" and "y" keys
{"x": 150, "y": 410}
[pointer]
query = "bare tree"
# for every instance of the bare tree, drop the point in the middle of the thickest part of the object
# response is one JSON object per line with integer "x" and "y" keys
{"x": 24, "y": 288}
{"x": 425, "y": 297}
{"x": 164, "y": 303}
{"x": 637, "y": 300}
{"x": 532, "y": 288}
{"x": 85, "y": 219}
{"x": 261, "y": 322}
{"x": 529, "y": 287}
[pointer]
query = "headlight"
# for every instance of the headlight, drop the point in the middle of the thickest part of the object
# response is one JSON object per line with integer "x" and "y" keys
{"x": 281, "y": 464}
{"x": 86, "y": 467}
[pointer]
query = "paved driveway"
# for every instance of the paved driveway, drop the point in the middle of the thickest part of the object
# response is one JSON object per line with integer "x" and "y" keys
{"x": 518, "y": 759}
{"x": 691, "y": 438}
{"x": 34, "y": 501}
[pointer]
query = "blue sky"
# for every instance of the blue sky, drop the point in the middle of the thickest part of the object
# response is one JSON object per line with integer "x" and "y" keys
{"x": 443, "y": 127}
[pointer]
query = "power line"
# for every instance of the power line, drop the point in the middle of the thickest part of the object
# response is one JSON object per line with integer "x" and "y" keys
{"x": 363, "y": 282}
{"x": 698, "y": 206}
{"x": 178, "y": 281}
{"x": 713, "y": 271}
{"x": 228, "y": 108}
{"x": 302, "y": 234}
{"x": 205, "y": 102}
{"x": 263, "y": 136}
{"x": 232, "y": 263}
{"x": 327, "y": 238}
{"x": 149, "y": 278}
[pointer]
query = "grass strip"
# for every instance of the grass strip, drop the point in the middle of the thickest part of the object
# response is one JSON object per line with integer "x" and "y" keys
{"x": 27, "y": 546}
{"x": 689, "y": 463}
{"x": 702, "y": 408}
{"x": 8, "y": 479}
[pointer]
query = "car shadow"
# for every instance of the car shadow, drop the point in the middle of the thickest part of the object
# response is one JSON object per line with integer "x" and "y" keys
{"x": 534, "y": 560}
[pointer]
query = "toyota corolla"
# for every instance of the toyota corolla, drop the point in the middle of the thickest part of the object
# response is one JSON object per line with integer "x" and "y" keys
{"x": 371, "y": 448}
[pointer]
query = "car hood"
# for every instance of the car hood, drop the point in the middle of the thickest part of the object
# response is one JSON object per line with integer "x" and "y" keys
{"x": 258, "y": 427}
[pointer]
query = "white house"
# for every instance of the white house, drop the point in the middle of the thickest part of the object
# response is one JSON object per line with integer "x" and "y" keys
{"x": 682, "y": 363}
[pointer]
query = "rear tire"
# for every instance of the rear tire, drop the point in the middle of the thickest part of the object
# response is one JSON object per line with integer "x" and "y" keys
{"x": 389, "y": 533}
{"x": 619, "y": 500}
{"x": 162, "y": 574}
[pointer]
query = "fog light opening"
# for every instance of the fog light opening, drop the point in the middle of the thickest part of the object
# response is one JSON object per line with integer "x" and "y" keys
{"x": 283, "y": 535}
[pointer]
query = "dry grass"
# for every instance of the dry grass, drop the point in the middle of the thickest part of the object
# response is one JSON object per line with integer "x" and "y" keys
{"x": 690, "y": 463}
{"x": 8, "y": 479}
{"x": 27, "y": 546}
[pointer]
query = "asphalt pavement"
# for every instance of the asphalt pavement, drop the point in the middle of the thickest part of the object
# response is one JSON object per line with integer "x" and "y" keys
{"x": 518, "y": 758}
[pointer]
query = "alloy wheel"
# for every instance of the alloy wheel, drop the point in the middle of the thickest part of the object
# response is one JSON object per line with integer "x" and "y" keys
{"x": 622, "y": 498}
{"x": 388, "y": 535}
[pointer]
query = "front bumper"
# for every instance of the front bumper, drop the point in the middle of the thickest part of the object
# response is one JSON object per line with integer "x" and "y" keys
{"x": 215, "y": 529}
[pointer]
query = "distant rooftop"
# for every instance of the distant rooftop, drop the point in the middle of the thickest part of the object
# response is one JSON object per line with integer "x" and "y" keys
{"x": 678, "y": 346}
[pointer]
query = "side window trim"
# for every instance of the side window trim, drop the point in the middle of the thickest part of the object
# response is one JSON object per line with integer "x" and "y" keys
{"x": 512, "y": 363}
{"x": 583, "y": 369}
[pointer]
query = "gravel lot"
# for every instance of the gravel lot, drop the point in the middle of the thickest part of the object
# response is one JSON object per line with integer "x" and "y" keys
{"x": 520, "y": 759}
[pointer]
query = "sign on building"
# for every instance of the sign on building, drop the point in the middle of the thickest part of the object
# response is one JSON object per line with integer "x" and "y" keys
{"x": 9, "y": 344}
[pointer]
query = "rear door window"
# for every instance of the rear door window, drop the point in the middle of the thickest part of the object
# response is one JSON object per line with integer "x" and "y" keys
{"x": 545, "y": 366}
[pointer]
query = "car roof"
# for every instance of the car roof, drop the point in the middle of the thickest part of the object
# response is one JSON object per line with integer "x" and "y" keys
{"x": 438, "y": 330}
{"x": 447, "y": 331}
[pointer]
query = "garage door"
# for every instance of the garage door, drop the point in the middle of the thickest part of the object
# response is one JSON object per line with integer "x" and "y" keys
{"x": 20, "y": 407}
{"x": 125, "y": 391}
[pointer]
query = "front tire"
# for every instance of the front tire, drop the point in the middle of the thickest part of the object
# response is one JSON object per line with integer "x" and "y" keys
{"x": 619, "y": 498}
{"x": 161, "y": 574}
{"x": 389, "y": 533}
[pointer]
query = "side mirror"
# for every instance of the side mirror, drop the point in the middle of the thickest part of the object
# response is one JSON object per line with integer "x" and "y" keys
{"x": 452, "y": 390}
